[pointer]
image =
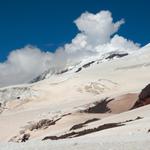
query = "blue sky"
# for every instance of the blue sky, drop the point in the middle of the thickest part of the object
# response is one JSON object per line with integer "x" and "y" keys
{"x": 48, "y": 24}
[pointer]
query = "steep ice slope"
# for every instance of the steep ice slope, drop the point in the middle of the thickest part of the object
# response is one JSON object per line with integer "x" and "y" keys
{"x": 72, "y": 91}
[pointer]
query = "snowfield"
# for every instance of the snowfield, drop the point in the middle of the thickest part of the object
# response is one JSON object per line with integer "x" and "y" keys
{"x": 51, "y": 107}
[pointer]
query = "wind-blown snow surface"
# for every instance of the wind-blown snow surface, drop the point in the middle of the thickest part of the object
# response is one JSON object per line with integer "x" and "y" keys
{"x": 72, "y": 92}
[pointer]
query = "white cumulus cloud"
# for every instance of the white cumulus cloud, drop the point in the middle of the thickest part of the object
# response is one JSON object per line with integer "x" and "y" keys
{"x": 97, "y": 36}
{"x": 23, "y": 64}
{"x": 98, "y": 27}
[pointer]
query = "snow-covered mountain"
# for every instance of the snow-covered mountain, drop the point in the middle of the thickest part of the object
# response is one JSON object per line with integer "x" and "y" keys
{"x": 86, "y": 105}
{"x": 82, "y": 64}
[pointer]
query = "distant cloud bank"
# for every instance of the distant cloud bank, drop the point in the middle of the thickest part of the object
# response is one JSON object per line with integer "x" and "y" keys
{"x": 97, "y": 36}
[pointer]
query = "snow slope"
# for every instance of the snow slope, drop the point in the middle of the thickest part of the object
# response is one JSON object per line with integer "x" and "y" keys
{"x": 64, "y": 95}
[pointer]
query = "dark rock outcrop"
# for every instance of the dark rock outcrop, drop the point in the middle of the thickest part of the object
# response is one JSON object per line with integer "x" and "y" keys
{"x": 79, "y": 69}
{"x": 145, "y": 93}
{"x": 144, "y": 97}
{"x": 78, "y": 126}
{"x": 88, "y": 64}
{"x": 20, "y": 138}
{"x": 83, "y": 132}
{"x": 99, "y": 107}
{"x": 74, "y": 134}
{"x": 42, "y": 124}
{"x": 63, "y": 71}
{"x": 116, "y": 56}
{"x": 25, "y": 137}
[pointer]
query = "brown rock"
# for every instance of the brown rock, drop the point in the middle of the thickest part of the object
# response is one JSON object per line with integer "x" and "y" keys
{"x": 144, "y": 97}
